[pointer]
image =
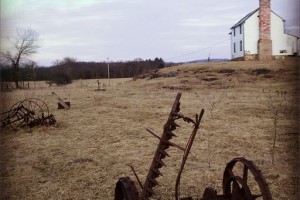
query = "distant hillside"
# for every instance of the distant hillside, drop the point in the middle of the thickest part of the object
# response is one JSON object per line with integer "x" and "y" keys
{"x": 210, "y": 60}
{"x": 198, "y": 61}
{"x": 222, "y": 74}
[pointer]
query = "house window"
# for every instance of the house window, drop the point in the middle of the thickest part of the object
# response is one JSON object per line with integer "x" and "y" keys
{"x": 240, "y": 29}
{"x": 234, "y": 48}
{"x": 233, "y": 31}
{"x": 241, "y": 45}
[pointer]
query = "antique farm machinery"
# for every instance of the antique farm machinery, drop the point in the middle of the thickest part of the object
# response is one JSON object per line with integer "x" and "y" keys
{"x": 31, "y": 112}
{"x": 236, "y": 182}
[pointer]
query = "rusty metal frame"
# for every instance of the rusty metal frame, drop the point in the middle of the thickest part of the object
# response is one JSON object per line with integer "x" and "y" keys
{"x": 30, "y": 112}
{"x": 234, "y": 187}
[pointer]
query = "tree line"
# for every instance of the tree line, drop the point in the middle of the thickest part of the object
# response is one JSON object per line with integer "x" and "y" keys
{"x": 70, "y": 69}
{"x": 16, "y": 66}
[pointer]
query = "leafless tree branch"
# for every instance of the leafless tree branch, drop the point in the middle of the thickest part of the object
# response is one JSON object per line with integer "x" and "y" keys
{"x": 23, "y": 45}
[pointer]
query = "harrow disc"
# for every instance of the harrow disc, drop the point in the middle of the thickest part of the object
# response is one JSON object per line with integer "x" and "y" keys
{"x": 238, "y": 184}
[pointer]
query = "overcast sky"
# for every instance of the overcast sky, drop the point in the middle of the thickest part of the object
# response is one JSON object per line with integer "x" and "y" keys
{"x": 94, "y": 30}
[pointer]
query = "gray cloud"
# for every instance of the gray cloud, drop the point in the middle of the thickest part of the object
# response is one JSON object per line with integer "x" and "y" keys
{"x": 92, "y": 30}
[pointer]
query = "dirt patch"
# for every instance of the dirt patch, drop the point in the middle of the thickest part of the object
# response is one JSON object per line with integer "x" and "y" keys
{"x": 81, "y": 160}
{"x": 227, "y": 71}
{"x": 177, "y": 88}
{"x": 210, "y": 79}
{"x": 260, "y": 71}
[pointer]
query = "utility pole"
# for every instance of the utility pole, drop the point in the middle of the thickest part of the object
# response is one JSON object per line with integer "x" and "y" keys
{"x": 108, "y": 72}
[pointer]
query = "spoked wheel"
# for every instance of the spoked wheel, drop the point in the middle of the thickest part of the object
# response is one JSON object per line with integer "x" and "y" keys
{"x": 38, "y": 106}
{"x": 23, "y": 112}
{"x": 238, "y": 184}
{"x": 126, "y": 190}
{"x": 34, "y": 104}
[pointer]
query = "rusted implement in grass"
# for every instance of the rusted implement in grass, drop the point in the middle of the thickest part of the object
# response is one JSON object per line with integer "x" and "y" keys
{"x": 61, "y": 103}
{"x": 31, "y": 112}
{"x": 236, "y": 186}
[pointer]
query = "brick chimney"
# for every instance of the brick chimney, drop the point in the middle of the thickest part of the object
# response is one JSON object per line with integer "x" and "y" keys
{"x": 265, "y": 42}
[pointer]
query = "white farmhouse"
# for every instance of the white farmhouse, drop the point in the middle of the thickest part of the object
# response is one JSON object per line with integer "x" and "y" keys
{"x": 252, "y": 32}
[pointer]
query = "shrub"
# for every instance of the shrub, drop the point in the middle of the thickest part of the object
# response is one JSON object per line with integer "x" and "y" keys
{"x": 61, "y": 79}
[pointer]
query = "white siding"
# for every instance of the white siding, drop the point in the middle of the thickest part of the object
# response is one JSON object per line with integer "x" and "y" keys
{"x": 235, "y": 39}
{"x": 282, "y": 44}
{"x": 251, "y": 28}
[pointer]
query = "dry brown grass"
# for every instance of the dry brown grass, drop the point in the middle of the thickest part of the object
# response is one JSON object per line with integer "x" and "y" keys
{"x": 89, "y": 149}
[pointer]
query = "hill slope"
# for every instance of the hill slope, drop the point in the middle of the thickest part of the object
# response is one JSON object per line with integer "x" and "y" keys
{"x": 107, "y": 130}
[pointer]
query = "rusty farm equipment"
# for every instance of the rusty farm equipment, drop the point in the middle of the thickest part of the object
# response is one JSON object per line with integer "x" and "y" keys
{"x": 29, "y": 112}
{"x": 235, "y": 184}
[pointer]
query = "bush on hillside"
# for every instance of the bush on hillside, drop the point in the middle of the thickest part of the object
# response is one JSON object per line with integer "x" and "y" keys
{"x": 61, "y": 79}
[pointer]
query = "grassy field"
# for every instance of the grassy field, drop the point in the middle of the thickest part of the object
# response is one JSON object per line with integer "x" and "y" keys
{"x": 106, "y": 130}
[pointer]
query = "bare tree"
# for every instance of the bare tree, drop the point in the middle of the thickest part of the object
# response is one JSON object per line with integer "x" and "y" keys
{"x": 64, "y": 61}
{"x": 30, "y": 67}
{"x": 22, "y": 47}
{"x": 68, "y": 60}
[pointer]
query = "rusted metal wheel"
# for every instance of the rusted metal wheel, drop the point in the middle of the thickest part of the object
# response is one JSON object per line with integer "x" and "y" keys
{"x": 37, "y": 105}
{"x": 239, "y": 184}
{"x": 23, "y": 112}
{"x": 126, "y": 190}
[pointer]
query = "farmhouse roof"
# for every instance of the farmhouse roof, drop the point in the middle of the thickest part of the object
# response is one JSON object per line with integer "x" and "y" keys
{"x": 248, "y": 16}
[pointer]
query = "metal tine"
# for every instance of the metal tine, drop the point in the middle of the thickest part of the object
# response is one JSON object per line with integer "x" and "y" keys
{"x": 171, "y": 134}
{"x": 175, "y": 124}
{"x": 152, "y": 180}
{"x": 165, "y": 141}
{"x": 157, "y": 171}
{"x": 161, "y": 162}
{"x": 151, "y": 191}
{"x": 164, "y": 153}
